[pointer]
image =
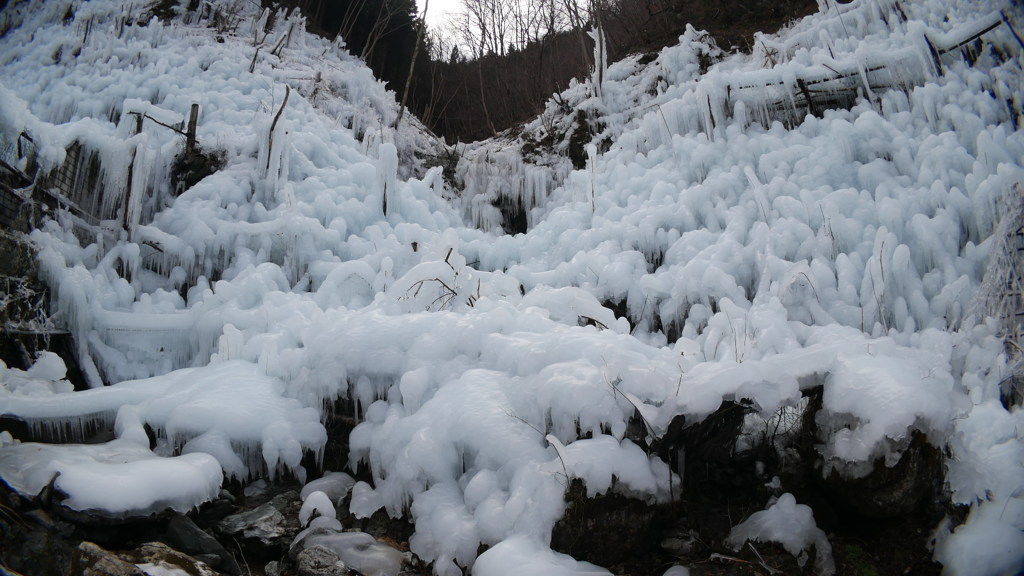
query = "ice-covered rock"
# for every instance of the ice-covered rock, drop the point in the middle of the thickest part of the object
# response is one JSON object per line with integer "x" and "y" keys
{"x": 320, "y": 561}
{"x": 791, "y": 525}
{"x": 358, "y": 551}
{"x": 273, "y": 524}
{"x": 147, "y": 483}
{"x": 316, "y": 504}
{"x": 336, "y": 485}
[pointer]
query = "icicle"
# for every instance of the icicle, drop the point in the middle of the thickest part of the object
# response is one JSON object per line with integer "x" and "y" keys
{"x": 387, "y": 175}
{"x": 600, "y": 61}
{"x": 78, "y": 428}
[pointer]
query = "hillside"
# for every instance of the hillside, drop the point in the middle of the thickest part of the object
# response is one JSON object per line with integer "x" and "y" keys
{"x": 704, "y": 298}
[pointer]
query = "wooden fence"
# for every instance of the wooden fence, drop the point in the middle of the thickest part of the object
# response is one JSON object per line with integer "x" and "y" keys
{"x": 790, "y": 100}
{"x": 77, "y": 186}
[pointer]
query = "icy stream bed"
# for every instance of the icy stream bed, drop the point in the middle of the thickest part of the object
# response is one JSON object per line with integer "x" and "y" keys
{"x": 704, "y": 254}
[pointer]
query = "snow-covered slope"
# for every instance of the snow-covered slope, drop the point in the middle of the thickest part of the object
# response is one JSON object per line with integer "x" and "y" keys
{"x": 753, "y": 261}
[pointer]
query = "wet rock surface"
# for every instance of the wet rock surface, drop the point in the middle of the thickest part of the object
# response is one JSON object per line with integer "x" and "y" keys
{"x": 184, "y": 535}
{"x": 162, "y": 558}
{"x": 891, "y": 492}
{"x": 246, "y": 531}
{"x": 608, "y": 530}
{"x": 91, "y": 560}
{"x": 271, "y": 525}
{"x": 319, "y": 561}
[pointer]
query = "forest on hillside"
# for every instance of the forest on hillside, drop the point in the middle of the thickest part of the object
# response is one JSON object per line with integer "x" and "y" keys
{"x": 497, "y": 61}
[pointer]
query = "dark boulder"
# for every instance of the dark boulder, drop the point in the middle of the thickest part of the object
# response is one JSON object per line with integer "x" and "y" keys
{"x": 184, "y": 535}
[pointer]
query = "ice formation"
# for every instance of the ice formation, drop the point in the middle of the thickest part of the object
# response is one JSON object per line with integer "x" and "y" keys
{"x": 357, "y": 550}
{"x": 335, "y": 485}
{"x": 789, "y": 524}
{"x": 316, "y": 504}
{"x": 86, "y": 473}
{"x": 524, "y": 555}
{"x": 751, "y": 250}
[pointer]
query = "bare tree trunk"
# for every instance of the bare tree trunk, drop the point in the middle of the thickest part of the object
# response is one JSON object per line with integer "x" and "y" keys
{"x": 379, "y": 29}
{"x": 349, "y": 19}
{"x": 577, "y": 22}
{"x": 483, "y": 98}
{"x": 412, "y": 65}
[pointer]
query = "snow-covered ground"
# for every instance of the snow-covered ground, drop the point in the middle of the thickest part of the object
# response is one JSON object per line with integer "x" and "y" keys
{"x": 755, "y": 260}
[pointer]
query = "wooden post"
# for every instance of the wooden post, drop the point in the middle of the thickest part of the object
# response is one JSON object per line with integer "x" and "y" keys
{"x": 190, "y": 136}
{"x": 811, "y": 106}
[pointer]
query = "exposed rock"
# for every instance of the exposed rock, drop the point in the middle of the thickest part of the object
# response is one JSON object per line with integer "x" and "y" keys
{"x": 681, "y": 544}
{"x": 191, "y": 166}
{"x": 890, "y": 492}
{"x": 47, "y": 522}
{"x": 1012, "y": 391}
{"x": 272, "y": 525}
{"x": 52, "y": 498}
{"x": 31, "y": 541}
{"x": 36, "y": 551}
{"x": 256, "y": 488}
{"x": 91, "y": 560}
{"x": 319, "y": 561}
{"x": 211, "y": 513}
{"x": 886, "y": 492}
{"x": 704, "y": 453}
{"x": 184, "y": 535}
{"x": 164, "y": 559}
{"x": 264, "y": 523}
{"x": 609, "y": 529}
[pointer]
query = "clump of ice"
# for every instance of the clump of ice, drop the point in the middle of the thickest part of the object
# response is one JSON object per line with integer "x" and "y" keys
{"x": 145, "y": 483}
{"x": 336, "y": 485}
{"x": 45, "y": 376}
{"x": 525, "y": 555}
{"x": 791, "y": 525}
{"x": 314, "y": 505}
{"x": 990, "y": 542}
{"x": 229, "y": 410}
